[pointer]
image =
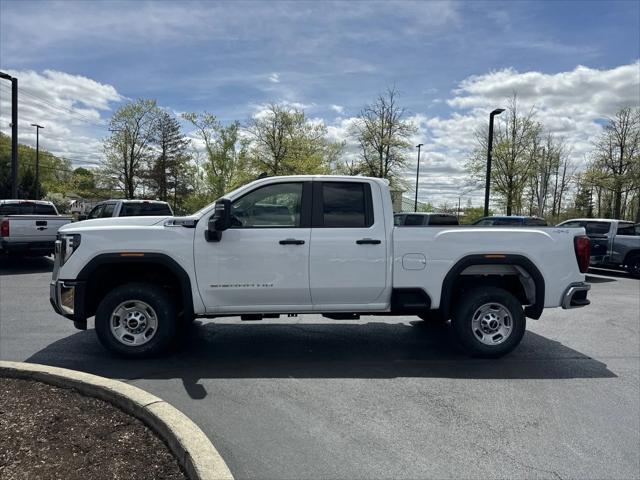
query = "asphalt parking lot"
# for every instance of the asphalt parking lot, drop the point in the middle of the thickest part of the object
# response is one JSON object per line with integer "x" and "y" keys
{"x": 311, "y": 398}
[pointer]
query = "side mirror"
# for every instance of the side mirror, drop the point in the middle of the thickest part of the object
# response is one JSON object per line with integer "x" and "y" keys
{"x": 219, "y": 221}
{"x": 82, "y": 217}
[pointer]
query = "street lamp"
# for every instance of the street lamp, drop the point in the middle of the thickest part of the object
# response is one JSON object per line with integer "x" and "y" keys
{"x": 497, "y": 111}
{"x": 14, "y": 133}
{"x": 415, "y": 206}
{"x": 38, "y": 127}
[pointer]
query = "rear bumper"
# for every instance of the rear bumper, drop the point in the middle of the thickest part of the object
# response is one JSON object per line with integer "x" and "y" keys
{"x": 67, "y": 299}
{"x": 27, "y": 248}
{"x": 576, "y": 295}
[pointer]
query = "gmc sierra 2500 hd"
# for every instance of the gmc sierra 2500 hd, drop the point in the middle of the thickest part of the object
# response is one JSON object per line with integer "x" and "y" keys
{"x": 310, "y": 244}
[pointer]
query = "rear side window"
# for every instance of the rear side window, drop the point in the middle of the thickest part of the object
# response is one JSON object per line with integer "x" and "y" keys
{"x": 628, "y": 229}
{"x": 535, "y": 222}
{"x": 597, "y": 228}
{"x": 346, "y": 205}
{"x": 443, "y": 220}
{"x": 414, "y": 220}
{"x": 398, "y": 220}
{"x": 9, "y": 209}
{"x": 507, "y": 221}
{"x": 138, "y": 209}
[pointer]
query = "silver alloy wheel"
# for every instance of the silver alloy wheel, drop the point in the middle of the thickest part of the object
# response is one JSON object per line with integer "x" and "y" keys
{"x": 492, "y": 323}
{"x": 133, "y": 323}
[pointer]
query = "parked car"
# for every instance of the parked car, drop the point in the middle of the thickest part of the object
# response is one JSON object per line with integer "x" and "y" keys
{"x": 29, "y": 227}
{"x": 335, "y": 252}
{"x": 511, "y": 220}
{"x": 128, "y": 208}
{"x": 614, "y": 243}
{"x": 419, "y": 219}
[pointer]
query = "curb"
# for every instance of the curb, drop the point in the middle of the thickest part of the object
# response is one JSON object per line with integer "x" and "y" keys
{"x": 191, "y": 447}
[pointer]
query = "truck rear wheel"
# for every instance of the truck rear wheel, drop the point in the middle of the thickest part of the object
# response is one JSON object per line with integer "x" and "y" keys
{"x": 633, "y": 266}
{"x": 489, "y": 322}
{"x": 136, "y": 320}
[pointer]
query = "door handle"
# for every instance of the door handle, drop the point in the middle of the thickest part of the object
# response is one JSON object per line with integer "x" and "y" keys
{"x": 291, "y": 241}
{"x": 368, "y": 241}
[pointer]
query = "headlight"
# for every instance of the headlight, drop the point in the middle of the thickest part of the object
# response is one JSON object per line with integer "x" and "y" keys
{"x": 68, "y": 244}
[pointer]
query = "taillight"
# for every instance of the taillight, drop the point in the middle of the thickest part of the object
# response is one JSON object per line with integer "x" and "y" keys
{"x": 582, "y": 247}
{"x": 4, "y": 228}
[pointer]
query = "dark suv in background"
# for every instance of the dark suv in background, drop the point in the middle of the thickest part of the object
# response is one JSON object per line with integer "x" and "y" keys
{"x": 419, "y": 219}
{"x": 511, "y": 221}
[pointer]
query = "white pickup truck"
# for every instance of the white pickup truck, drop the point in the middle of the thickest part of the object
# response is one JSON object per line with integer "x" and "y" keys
{"x": 29, "y": 227}
{"x": 310, "y": 244}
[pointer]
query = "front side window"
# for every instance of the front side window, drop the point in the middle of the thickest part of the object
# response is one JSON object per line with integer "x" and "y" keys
{"x": 398, "y": 220}
{"x": 96, "y": 212}
{"x": 443, "y": 220}
{"x": 414, "y": 220}
{"x": 573, "y": 224}
{"x": 597, "y": 228}
{"x": 272, "y": 206}
{"x": 107, "y": 211}
{"x": 344, "y": 205}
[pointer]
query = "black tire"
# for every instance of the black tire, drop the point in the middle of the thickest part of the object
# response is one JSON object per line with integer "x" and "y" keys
{"x": 633, "y": 265}
{"x": 462, "y": 321}
{"x": 164, "y": 307}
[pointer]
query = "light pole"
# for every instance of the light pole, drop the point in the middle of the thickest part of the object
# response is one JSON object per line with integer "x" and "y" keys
{"x": 497, "y": 111}
{"x": 14, "y": 133}
{"x": 415, "y": 206}
{"x": 38, "y": 127}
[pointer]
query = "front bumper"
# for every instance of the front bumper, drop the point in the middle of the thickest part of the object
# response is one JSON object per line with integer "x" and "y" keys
{"x": 576, "y": 295}
{"x": 67, "y": 299}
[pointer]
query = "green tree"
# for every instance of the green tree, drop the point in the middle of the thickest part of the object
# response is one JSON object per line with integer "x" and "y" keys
{"x": 617, "y": 158}
{"x": 164, "y": 171}
{"x": 284, "y": 142}
{"x": 226, "y": 160}
{"x": 128, "y": 148}
{"x": 383, "y": 134}
{"x": 514, "y": 139}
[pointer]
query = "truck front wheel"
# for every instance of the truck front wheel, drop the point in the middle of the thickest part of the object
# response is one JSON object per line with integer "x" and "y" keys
{"x": 136, "y": 320}
{"x": 489, "y": 322}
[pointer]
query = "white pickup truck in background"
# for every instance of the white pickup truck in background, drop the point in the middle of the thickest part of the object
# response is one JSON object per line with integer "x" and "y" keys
{"x": 29, "y": 227}
{"x": 310, "y": 244}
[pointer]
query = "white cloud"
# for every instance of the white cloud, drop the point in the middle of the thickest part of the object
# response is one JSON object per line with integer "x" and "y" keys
{"x": 571, "y": 104}
{"x": 69, "y": 107}
{"x": 274, "y": 78}
{"x": 339, "y": 109}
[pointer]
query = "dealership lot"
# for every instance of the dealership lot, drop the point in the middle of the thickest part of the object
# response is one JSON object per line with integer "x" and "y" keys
{"x": 381, "y": 397}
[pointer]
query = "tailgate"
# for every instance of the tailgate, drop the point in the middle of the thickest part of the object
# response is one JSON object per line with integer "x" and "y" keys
{"x": 599, "y": 245}
{"x": 34, "y": 227}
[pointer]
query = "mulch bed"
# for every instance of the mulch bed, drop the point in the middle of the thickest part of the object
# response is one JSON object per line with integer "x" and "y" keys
{"x": 50, "y": 432}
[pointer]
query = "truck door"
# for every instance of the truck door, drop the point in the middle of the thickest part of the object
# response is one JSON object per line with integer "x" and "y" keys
{"x": 261, "y": 263}
{"x": 348, "y": 257}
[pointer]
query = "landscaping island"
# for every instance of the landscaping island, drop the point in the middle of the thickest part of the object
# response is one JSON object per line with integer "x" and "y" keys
{"x": 52, "y": 432}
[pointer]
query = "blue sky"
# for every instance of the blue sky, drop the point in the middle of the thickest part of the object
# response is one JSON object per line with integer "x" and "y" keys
{"x": 330, "y": 57}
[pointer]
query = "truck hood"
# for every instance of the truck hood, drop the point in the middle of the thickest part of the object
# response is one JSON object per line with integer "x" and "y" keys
{"x": 105, "y": 223}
